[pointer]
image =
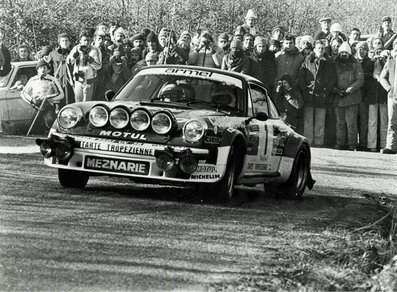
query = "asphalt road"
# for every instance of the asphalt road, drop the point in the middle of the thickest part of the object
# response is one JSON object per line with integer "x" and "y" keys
{"x": 116, "y": 235}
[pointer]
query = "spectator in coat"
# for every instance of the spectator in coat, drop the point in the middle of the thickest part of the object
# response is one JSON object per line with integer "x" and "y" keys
{"x": 262, "y": 63}
{"x": 250, "y": 23}
{"x": 386, "y": 33}
{"x": 377, "y": 108}
{"x": 350, "y": 79}
{"x": 288, "y": 100}
{"x": 317, "y": 78}
{"x": 388, "y": 79}
{"x": 224, "y": 42}
{"x": 102, "y": 73}
{"x": 248, "y": 44}
{"x": 172, "y": 53}
{"x": 86, "y": 61}
{"x": 118, "y": 69}
{"x": 118, "y": 37}
{"x": 367, "y": 90}
{"x": 138, "y": 41}
{"x": 289, "y": 60}
{"x": 325, "y": 24}
{"x": 236, "y": 60}
{"x": 206, "y": 54}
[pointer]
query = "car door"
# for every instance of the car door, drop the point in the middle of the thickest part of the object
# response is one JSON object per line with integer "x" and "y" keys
{"x": 17, "y": 112}
{"x": 265, "y": 139}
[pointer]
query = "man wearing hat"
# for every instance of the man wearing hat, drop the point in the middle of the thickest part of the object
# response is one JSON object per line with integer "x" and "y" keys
{"x": 99, "y": 43}
{"x": 386, "y": 33}
{"x": 118, "y": 37}
{"x": 43, "y": 91}
{"x": 206, "y": 54}
{"x": 388, "y": 79}
{"x": 368, "y": 90}
{"x": 250, "y": 22}
{"x": 224, "y": 43}
{"x": 262, "y": 63}
{"x": 325, "y": 24}
{"x": 138, "y": 41}
{"x": 349, "y": 80}
{"x": 118, "y": 69}
{"x": 236, "y": 60}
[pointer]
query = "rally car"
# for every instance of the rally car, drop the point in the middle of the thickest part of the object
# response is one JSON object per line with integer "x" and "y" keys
{"x": 185, "y": 125}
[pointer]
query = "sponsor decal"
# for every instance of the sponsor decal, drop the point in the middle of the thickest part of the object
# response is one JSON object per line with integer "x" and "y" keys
{"x": 120, "y": 148}
{"x": 205, "y": 169}
{"x": 258, "y": 167}
{"x": 212, "y": 140}
{"x": 117, "y": 165}
{"x": 205, "y": 176}
{"x": 123, "y": 135}
{"x": 189, "y": 72}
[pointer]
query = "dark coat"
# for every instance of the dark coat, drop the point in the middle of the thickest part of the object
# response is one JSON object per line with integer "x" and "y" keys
{"x": 388, "y": 78}
{"x": 317, "y": 82}
{"x": 380, "y": 95}
{"x": 263, "y": 67}
{"x": 369, "y": 88}
{"x": 7, "y": 61}
{"x": 289, "y": 103}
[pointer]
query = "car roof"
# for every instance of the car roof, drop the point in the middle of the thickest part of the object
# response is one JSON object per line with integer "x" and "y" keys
{"x": 241, "y": 76}
{"x": 24, "y": 63}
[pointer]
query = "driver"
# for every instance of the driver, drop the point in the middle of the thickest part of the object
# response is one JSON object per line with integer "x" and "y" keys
{"x": 172, "y": 93}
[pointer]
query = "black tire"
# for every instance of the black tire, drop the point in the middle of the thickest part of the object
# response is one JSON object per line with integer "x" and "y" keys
{"x": 295, "y": 186}
{"x": 224, "y": 189}
{"x": 72, "y": 179}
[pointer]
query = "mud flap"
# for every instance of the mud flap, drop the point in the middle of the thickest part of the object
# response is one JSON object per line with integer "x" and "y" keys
{"x": 310, "y": 181}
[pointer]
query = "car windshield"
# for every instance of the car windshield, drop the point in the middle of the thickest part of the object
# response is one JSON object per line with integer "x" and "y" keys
{"x": 192, "y": 91}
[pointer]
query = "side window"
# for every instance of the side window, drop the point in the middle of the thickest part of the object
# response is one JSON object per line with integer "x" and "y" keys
{"x": 273, "y": 111}
{"x": 22, "y": 77}
{"x": 259, "y": 99}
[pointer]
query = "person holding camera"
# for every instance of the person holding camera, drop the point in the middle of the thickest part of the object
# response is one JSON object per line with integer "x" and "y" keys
{"x": 86, "y": 60}
{"x": 349, "y": 80}
{"x": 118, "y": 69}
{"x": 172, "y": 53}
{"x": 288, "y": 100}
{"x": 206, "y": 54}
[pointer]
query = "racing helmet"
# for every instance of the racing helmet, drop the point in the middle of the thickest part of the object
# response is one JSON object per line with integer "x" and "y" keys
{"x": 171, "y": 92}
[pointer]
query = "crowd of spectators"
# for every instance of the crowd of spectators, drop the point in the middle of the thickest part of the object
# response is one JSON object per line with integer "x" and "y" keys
{"x": 335, "y": 87}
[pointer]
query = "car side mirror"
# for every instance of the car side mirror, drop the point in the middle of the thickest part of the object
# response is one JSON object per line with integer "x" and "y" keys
{"x": 260, "y": 116}
{"x": 109, "y": 95}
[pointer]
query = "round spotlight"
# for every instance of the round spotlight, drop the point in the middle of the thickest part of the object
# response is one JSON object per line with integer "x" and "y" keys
{"x": 119, "y": 118}
{"x": 165, "y": 161}
{"x": 161, "y": 123}
{"x": 188, "y": 163}
{"x": 140, "y": 120}
{"x": 99, "y": 116}
{"x": 63, "y": 152}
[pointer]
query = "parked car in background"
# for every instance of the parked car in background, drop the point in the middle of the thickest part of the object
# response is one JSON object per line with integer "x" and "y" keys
{"x": 187, "y": 125}
{"x": 16, "y": 114}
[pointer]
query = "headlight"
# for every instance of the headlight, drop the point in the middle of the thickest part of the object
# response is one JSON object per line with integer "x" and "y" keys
{"x": 119, "y": 118}
{"x": 140, "y": 120}
{"x": 69, "y": 116}
{"x": 99, "y": 116}
{"x": 194, "y": 130}
{"x": 161, "y": 123}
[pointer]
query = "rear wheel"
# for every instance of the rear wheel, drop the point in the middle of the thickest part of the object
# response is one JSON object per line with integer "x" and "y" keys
{"x": 72, "y": 179}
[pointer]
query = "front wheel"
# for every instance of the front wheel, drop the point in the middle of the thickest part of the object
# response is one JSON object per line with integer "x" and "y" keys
{"x": 225, "y": 187}
{"x": 299, "y": 178}
{"x": 72, "y": 178}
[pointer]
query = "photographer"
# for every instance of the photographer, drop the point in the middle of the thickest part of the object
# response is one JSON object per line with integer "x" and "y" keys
{"x": 172, "y": 53}
{"x": 206, "y": 54}
{"x": 349, "y": 80}
{"x": 288, "y": 100}
{"x": 86, "y": 60}
{"x": 118, "y": 73}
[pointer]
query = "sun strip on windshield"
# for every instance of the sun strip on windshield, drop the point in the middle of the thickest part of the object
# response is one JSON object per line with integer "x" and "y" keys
{"x": 199, "y": 74}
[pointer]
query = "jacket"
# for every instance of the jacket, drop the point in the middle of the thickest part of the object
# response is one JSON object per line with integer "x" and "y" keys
{"x": 380, "y": 95}
{"x": 369, "y": 88}
{"x": 349, "y": 75}
{"x": 289, "y": 62}
{"x": 206, "y": 58}
{"x": 317, "y": 81}
{"x": 263, "y": 67}
{"x": 388, "y": 78}
{"x": 240, "y": 65}
{"x": 6, "y": 68}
